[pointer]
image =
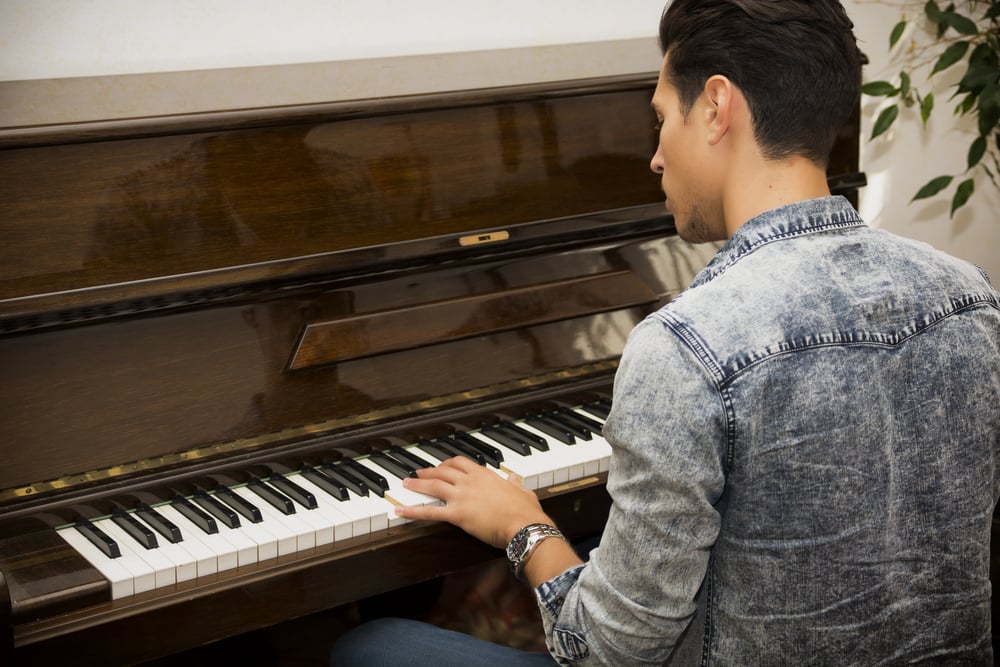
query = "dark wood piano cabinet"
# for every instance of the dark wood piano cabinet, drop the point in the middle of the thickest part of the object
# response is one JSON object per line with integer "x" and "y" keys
{"x": 190, "y": 295}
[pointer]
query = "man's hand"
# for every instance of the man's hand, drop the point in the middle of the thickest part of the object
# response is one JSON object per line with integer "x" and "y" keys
{"x": 477, "y": 500}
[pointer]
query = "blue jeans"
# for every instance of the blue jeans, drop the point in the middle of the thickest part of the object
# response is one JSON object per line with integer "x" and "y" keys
{"x": 398, "y": 642}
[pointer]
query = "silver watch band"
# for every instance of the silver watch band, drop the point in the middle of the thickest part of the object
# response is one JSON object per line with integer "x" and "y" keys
{"x": 524, "y": 543}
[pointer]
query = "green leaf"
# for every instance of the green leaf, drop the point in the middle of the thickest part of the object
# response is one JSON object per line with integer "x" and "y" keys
{"x": 962, "y": 194}
{"x": 981, "y": 71}
{"x": 966, "y": 105}
{"x": 962, "y": 24}
{"x": 926, "y": 107}
{"x": 904, "y": 84}
{"x": 897, "y": 32}
{"x": 951, "y": 55}
{"x": 933, "y": 187}
{"x": 988, "y": 107}
{"x": 932, "y": 11}
{"x": 885, "y": 120}
{"x": 879, "y": 89}
{"x": 976, "y": 151}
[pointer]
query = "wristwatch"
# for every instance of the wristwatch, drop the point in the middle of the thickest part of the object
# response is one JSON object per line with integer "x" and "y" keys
{"x": 524, "y": 543}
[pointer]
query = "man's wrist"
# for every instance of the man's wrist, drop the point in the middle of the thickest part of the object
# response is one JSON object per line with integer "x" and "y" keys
{"x": 523, "y": 544}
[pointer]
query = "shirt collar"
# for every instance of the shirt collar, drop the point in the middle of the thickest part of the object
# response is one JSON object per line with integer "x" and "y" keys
{"x": 805, "y": 217}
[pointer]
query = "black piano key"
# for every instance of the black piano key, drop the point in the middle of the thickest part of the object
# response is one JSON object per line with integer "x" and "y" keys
{"x": 600, "y": 409}
{"x": 586, "y": 422}
{"x": 243, "y": 506}
{"x": 195, "y": 514}
{"x": 536, "y": 441}
{"x": 160, "y": 523}
{"x": 510, "y": 440}
{"x": 339, "y": 473}
{"x": 375, "y": 481}
{"x": 395, "y": 466}
{"x": 326, "y": 482}
{"x": 98, "y": 538}
{"x": 577, "y": 429}
{"x": 278, "y": 500}
{"x": 557, "y": 431}
{"x": 443, "y": 451}
{"x": 293, "y": 491}
{"x": 410, "y": 457}
{"x": 220, "y": 511}
{"x": 139, "y": 532}
{"x": 492, "y": 454}
{"x": 463, "y": 449}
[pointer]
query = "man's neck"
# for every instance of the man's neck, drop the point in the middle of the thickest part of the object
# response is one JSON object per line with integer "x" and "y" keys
{"x": 769, "y": 184}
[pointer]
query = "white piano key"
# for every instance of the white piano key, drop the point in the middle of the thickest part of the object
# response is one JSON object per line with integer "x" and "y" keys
{"x": 246, "y": 548}
{"x": 322, "y": 523}
{"x": 396, "y": 493}
{"x": 164, "y": 570}
{"x": 600, "y": 444}
{"x": 143, "y": 574}
{"x": 266, "y": 540}
{"x": 192, "y": 558}
{"x": 568, "y": 462}
{"x": 534, "y": 471}
{"x": 339, "y": 515}
{"x": 382, "y": 511}
{"x": 293, "y": 535}
{"x": 218, "y": 546}
{"x": 116, "y": 573}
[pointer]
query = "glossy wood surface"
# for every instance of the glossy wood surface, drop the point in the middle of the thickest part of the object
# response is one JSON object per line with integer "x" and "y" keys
{"x": 85, "y": 213}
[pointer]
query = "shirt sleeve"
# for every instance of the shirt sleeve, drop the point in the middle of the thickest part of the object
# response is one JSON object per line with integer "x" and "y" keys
{"x": 668, "y": 428}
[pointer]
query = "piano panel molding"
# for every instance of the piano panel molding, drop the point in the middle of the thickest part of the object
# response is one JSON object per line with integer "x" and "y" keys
{"x": 425, "y": 324}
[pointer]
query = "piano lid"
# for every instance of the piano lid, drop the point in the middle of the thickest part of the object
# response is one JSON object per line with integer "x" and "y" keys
{"x": 195, "y": 203}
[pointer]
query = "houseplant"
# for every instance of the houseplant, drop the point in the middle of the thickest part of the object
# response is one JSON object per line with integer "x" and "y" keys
{"x": 963, "y": 35}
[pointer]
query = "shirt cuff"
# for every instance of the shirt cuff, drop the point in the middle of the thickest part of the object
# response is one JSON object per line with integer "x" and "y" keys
{"x": 552, "y": 593}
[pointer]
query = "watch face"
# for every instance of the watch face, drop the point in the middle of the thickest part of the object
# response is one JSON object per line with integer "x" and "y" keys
{"x": 516, "y": 547}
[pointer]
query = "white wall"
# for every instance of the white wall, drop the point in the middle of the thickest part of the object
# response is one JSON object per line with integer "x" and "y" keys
{"x": 52, "y": 39}
{"x": 56, "y": 38}
{"x": 900, "y": 162}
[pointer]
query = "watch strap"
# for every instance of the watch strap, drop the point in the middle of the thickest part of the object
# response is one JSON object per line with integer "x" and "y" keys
{"x": 524, "y": 543}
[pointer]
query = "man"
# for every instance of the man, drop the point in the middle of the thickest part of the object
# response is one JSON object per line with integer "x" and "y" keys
{"x": 805, "y": 441}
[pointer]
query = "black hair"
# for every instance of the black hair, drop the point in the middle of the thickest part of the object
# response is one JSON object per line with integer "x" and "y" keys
{"x": 796, "y": 62}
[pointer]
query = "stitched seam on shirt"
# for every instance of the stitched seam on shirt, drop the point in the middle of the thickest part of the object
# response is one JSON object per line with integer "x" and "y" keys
{"x": 864, "y": 339}
{"x": 714, "y": 370}
{"x": 743, "y": 250}
{"x": 693, "y": 343}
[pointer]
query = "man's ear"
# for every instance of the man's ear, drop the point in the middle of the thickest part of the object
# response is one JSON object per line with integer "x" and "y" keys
{"x": 721, "y": 107}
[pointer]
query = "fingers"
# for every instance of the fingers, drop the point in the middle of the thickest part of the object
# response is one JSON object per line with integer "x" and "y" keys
{"x": 422, "y": 512}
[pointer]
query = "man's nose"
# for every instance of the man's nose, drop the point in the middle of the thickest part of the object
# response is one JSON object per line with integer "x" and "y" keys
{"x": 656, "y": 164}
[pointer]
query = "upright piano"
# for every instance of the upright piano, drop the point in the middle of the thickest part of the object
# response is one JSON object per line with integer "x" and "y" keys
{"x": 224, "y": 336}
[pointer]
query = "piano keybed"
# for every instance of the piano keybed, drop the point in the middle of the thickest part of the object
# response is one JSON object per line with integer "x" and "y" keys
{"x": 152, "y": 540}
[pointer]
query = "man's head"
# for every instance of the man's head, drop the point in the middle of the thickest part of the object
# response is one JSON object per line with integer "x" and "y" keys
{"x": 795, "y": 61}
{"x": 751, "y": 97}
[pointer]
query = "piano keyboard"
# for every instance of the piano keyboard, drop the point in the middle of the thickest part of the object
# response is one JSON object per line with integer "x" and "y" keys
{"x": 272, "y": 511}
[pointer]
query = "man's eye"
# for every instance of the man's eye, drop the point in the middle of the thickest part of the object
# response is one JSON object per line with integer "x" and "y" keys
{"x": 658, "y": 126}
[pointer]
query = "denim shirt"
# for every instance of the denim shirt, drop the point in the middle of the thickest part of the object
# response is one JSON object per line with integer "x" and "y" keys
{"x": 805, "y": 461}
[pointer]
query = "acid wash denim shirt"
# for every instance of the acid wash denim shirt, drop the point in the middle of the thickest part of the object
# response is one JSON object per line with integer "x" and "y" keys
{"x": 805, "y": 461}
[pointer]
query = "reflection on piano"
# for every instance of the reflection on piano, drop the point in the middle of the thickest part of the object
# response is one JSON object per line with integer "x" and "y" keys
{"x": 226, "y": 337}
